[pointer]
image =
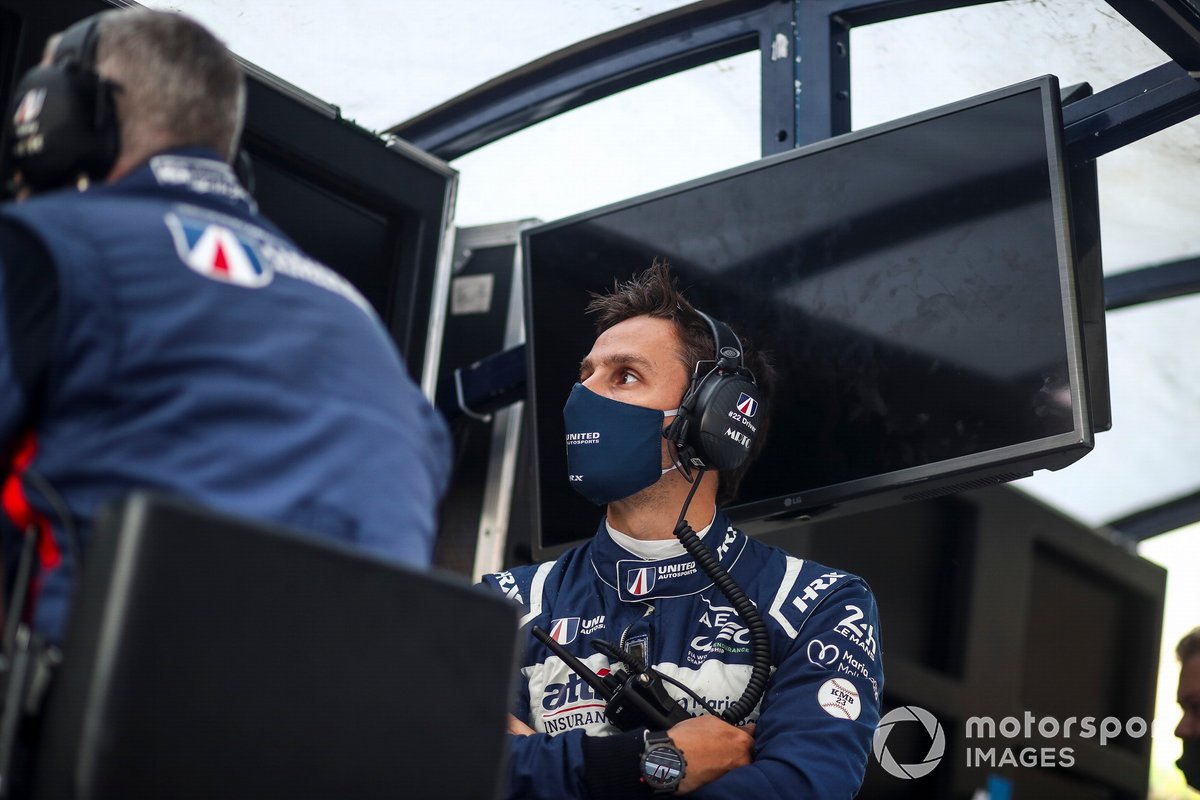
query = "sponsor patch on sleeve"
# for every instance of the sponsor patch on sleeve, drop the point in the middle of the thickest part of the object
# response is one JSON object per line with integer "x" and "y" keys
{"x": 838, "y": 698}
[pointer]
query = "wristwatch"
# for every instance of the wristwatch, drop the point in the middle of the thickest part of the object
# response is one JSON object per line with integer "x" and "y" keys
{"x": 663, "y": 766}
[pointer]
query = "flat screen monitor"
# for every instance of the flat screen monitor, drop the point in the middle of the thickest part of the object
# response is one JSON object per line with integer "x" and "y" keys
{"x": 914, "y": 283}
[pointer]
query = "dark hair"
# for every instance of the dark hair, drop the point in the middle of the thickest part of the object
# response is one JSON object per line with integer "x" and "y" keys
{"x": 1188, "y": 646}
{"x": 655, "y": 293}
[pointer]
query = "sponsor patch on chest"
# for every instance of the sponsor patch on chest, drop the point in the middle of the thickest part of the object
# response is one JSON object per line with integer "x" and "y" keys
{"x": 561, "y": 701}
{"x": 720, "y": 631}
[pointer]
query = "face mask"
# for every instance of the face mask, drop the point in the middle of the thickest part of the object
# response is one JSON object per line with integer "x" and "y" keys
{"x": 1189, "y": 763}
{"x": 614, "y": 449}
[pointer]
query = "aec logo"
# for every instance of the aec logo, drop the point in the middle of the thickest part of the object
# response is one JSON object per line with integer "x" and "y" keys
{"x": 937, "y": 742}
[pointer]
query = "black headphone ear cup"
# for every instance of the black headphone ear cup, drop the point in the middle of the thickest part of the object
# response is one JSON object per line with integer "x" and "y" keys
{"x": 64, "y": 123}
{"x": 723, "y": 429}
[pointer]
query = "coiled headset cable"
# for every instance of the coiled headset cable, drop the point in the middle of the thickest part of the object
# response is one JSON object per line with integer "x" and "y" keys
{"x": 760, "y": 644}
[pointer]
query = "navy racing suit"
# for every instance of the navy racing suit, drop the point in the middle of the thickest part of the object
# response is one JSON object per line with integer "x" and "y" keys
{"x": 815, "y": 722}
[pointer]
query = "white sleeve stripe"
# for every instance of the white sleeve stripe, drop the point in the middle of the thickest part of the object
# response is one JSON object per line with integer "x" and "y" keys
{"x": 535, "y": 592}
{"x": 794, "y": 565}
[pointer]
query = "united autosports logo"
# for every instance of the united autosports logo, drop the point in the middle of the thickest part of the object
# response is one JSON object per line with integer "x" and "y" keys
{"x": 217, "y": 252}
{"x": 564, "y": 630}
{"x": 747, "y": 406}
{"x": 567, "y": 629}
{"x": 641, "y": 581}
{"x": 30, "y": 107}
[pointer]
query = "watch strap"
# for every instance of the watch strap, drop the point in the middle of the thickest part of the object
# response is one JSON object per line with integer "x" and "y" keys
{"x": 659, "y": 740}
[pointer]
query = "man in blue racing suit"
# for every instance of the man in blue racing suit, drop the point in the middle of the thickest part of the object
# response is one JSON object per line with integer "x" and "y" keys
{"x": 635, "y": 585}
{"x": 157, "y": 332}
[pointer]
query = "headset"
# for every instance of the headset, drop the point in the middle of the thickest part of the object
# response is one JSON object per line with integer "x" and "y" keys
{"x": 716, "y": 425}
{"x": 63, "y": 123}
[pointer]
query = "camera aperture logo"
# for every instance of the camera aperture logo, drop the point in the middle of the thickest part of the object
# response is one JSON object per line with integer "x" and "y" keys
{"x": 937, "y": 742}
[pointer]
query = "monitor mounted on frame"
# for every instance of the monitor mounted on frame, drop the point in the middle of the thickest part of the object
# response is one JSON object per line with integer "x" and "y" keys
{"x": 915, "y": 284}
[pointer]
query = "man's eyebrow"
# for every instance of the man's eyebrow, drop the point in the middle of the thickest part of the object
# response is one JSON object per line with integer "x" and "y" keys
{"x": 616, "y": 360}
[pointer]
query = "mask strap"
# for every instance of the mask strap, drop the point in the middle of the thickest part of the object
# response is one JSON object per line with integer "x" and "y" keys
{"x": 668, "y": 434}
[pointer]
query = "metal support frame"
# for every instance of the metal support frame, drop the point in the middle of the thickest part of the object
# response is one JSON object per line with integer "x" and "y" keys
{"x": 1162, "y": 518}
{"x": 590, "y": 70}
{"x": 1173, "y": 25}
{"x": 1147, "y": 284}
{"x": 804, "y": 47}
{"x": 1131, "y": 110}
{"x": 805, "y": 52}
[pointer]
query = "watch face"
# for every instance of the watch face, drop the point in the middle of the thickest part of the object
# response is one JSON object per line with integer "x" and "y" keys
{"x": 662, "y": 767}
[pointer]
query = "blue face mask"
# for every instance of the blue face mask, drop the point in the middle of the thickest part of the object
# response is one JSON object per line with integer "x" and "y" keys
{"x": 614, "y": 449}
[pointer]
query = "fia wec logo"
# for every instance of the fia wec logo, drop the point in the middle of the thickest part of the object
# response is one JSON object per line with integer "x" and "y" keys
{"x": 726, "y": 633}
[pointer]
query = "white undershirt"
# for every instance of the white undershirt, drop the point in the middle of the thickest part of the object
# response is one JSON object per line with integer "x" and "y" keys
{"x": 652, "y": 549}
